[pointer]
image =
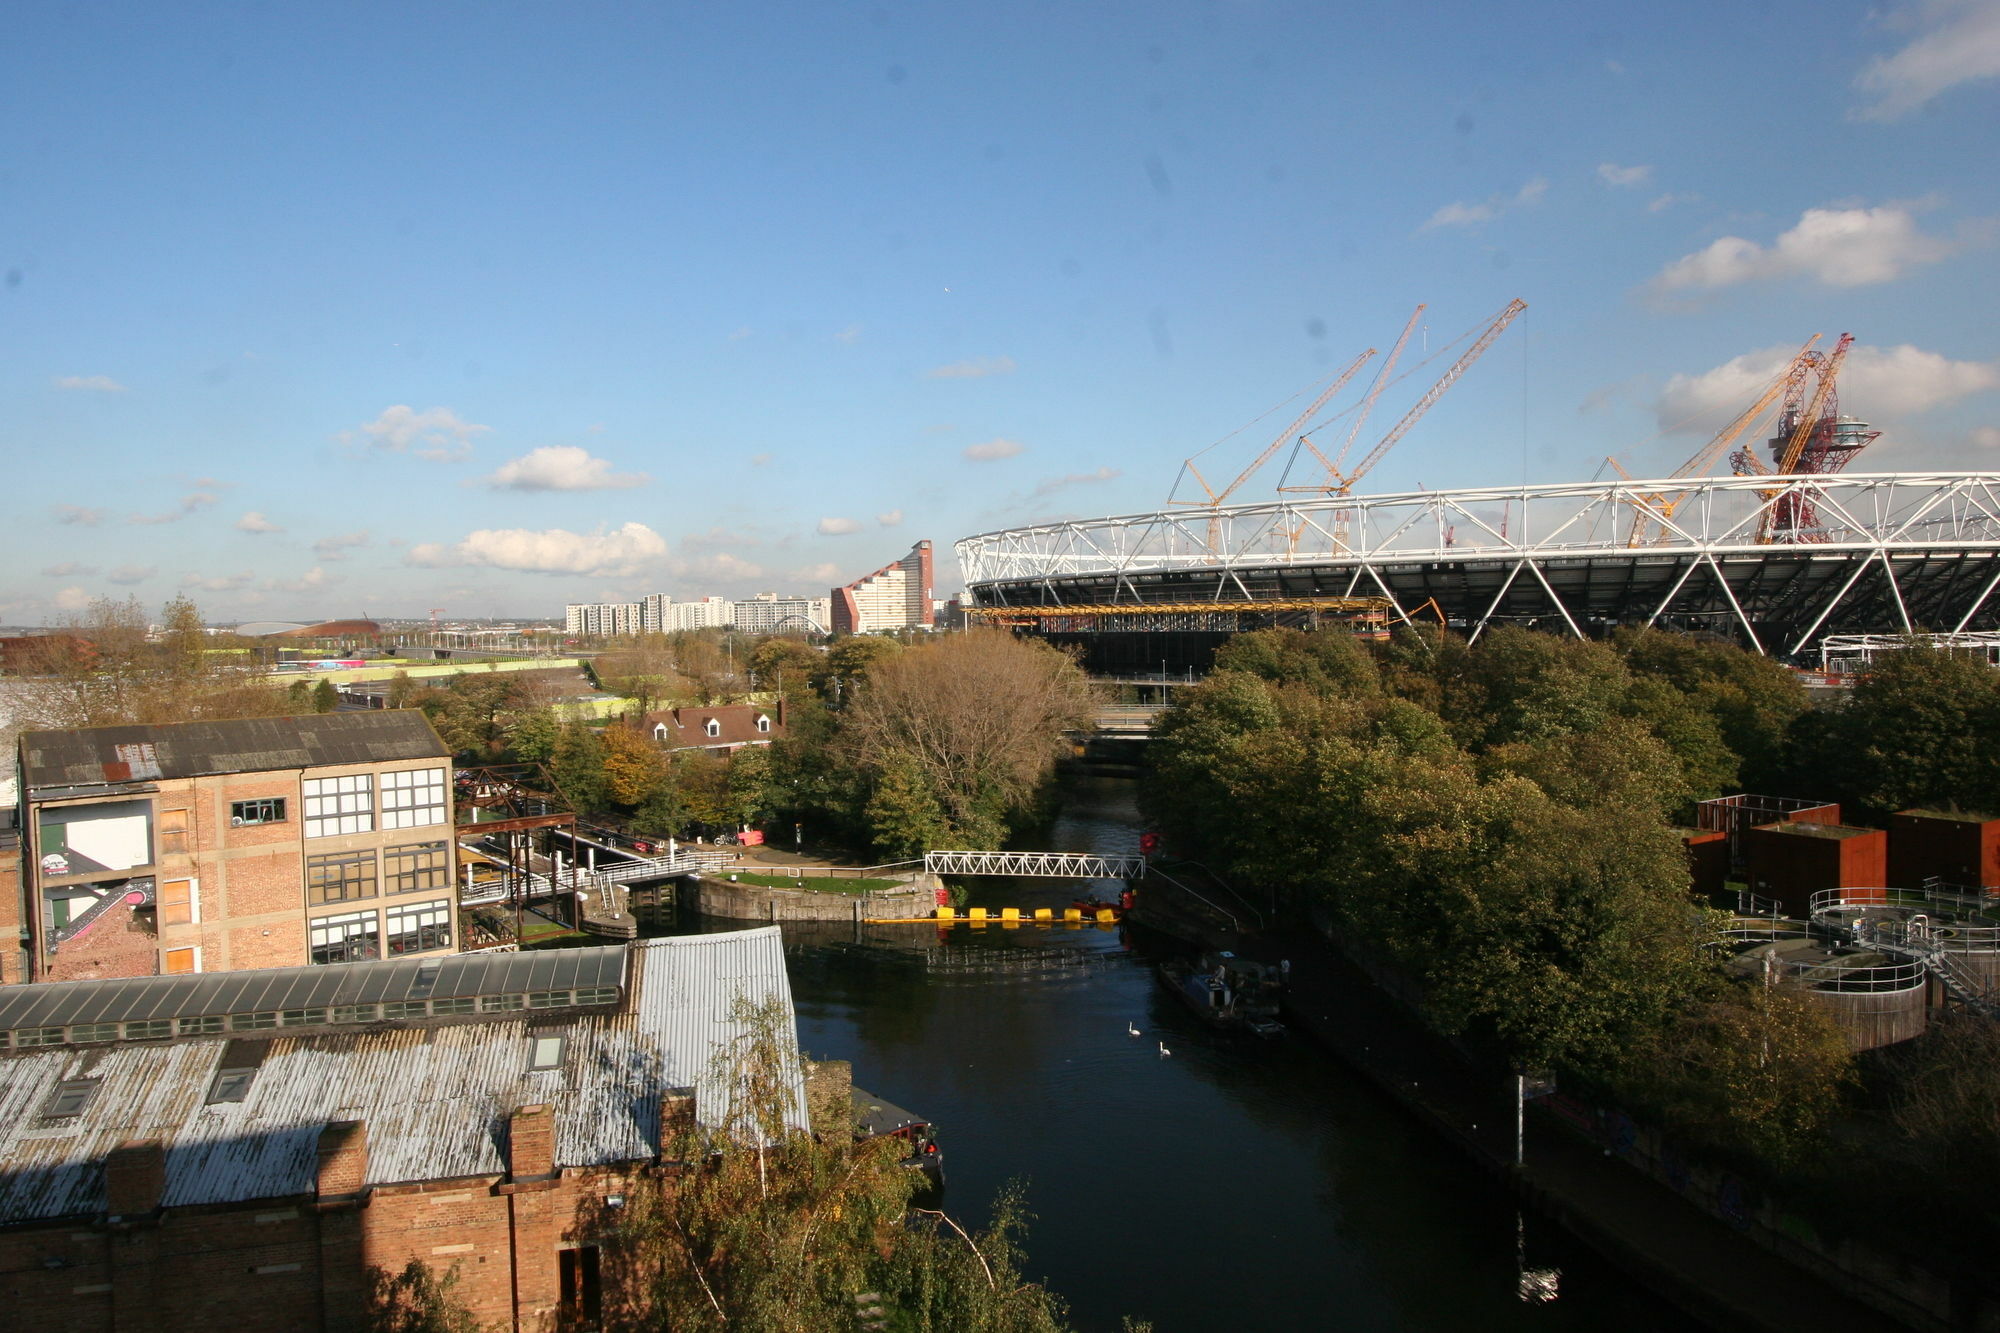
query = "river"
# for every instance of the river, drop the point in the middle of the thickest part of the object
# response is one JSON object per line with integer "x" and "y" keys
{"x": 1233, "y": 1184}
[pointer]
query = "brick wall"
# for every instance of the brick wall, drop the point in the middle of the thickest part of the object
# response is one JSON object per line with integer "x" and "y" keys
{"x": 302, "y": 1264}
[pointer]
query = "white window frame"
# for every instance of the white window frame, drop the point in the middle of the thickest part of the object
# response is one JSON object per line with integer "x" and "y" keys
{"x": 404, "y": 798}
{"x": 370, "y": 920}
{"x": 194, "y": 949}
{"x": 337, "y": 806}
{"x": 764, "y": 723}
{"x": 437, "y": 912}
{"x": 194, "y": 899}
{"x": 713, "y": 727}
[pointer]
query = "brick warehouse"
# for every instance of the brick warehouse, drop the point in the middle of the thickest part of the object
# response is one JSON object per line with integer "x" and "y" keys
{"x": 192, "y": 1153}
{"x": 214, "y": 846}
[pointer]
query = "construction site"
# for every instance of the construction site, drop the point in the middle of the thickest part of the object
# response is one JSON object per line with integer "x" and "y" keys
{"x": 1763, "y": 535}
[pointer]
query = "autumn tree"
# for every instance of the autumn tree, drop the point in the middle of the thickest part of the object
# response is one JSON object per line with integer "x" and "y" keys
{"x": 776, "y": 1226}
{"x": 105, "y": 667}
{"x": 785, "y": 664}
{"x": 634, "y": 765}
{"x": 978, "y": 718}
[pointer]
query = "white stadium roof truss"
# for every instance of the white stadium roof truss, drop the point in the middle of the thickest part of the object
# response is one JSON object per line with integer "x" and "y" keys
{"x": 1869, "y": 552}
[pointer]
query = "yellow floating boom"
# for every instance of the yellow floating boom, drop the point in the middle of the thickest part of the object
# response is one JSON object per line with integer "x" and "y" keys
{"x": 1009, "y": 917}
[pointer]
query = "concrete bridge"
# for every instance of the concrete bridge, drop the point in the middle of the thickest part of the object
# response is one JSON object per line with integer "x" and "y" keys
{"x": 1043, "y": 865}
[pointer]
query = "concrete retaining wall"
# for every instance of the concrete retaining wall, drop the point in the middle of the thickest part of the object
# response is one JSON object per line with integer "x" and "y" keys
{"x": 714, "y": 895}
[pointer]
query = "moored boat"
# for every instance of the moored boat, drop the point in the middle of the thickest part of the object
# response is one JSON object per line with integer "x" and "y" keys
{"x": 1228, "y": 992}
{"x": 878, "y": 1119}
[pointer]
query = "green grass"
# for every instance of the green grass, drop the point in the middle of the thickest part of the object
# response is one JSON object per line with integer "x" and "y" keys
{"x": 811, "y": 883}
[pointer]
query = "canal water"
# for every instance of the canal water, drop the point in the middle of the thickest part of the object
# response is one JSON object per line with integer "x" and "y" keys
{"x": 1232, "y": 1184}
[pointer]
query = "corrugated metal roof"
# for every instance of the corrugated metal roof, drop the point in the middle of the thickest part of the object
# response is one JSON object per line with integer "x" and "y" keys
{"x": 435, "y": 1098}
{"x": 61, "y": 1003}
{"x": 94, "y": 756}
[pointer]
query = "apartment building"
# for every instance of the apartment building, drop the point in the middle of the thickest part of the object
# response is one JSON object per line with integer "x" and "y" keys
{"x": 896, "y": 596}
{"x": 768, "y": 613}
{"x": 219, "y": 846}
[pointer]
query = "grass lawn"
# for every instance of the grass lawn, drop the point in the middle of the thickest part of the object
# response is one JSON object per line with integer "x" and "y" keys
{"x": 540, "y": 932}
{"x": 813, "y": 883}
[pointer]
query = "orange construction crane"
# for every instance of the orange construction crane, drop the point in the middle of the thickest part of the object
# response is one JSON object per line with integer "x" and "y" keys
{"x": 1656, "y": 506}
{"x": 1793, "y": 515}
{"x": 1343, "y": 482}
{"x": 1215, "y": 497}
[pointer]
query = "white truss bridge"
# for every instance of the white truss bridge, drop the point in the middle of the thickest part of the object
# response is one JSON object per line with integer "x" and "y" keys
{"x": 1045, "y": 865}
{"x": 1776, "y": 561}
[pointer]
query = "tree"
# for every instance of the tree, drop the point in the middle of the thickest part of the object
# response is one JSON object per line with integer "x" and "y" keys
{"x": 1757, "y": 1067}
{"x": 772, "y": 1226}
{"x": 576, "y": 766}
{"x": 417, "y": 1300}
{"x": 324, "y": 697}
{"x": 905, "y": 817}
{"x": 980, "y": 715}
{"x": 104, "y": 668}
{"x": 1917, "y": 729}
{"x": 851, "y": 659}
{"x": 634, "y": 765}
{"x": 785, "y": 664}
{"x": 530, "y": 735}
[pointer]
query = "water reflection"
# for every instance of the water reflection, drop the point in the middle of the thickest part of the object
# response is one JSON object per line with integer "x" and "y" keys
{"x": 1238, "y": 1184}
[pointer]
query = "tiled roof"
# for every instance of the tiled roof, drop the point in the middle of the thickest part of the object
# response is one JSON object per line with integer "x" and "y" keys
{"x": 434, "y": 1095}
{"x": 94, "y": 756}
{"x": 736, "y": 724}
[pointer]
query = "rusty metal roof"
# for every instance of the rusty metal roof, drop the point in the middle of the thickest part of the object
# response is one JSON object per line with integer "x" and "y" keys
{"x": 434, "y": 1096}
{"x": 97, "y": 756}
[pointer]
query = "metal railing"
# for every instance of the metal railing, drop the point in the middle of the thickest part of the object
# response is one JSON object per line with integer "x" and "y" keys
{"x": 1045, "y": 865}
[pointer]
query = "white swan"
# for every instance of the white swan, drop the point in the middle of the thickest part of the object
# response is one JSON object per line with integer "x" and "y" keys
{"x": 1164, "y": 1052}
{"x": 1130, "y": 1030}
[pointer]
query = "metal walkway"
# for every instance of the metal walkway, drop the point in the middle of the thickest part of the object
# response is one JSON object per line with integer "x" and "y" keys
{"x": 1043, "y": 865}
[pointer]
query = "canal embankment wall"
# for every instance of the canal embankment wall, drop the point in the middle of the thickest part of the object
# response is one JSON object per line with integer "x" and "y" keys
{"x": 1699, "y": 1236}
{"x": 717, "y": 895}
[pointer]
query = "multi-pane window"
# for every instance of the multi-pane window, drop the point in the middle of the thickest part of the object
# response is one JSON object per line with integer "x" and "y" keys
{"x": 421, "y": 865}
{"x": 419, "y": 927}
{"x": 264, "y": 810}
{"x": 413, "y": 799}
{"x": 340, "y": 805}
{"x": 350, "y": 938}
{"x": 340, "y": 876}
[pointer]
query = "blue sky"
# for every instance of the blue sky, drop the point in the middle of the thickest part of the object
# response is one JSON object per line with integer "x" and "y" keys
{"x": 333, "y": 310}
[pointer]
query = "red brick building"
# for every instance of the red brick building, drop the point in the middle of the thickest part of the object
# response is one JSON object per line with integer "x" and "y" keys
{"x": 724, "y": 728}
{"x": 202, "y": 1153}
{"x": 215, "y": 846}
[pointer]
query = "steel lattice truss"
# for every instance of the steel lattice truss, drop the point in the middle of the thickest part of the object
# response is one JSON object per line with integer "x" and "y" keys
{"x": 1046, "y": 865}
{"x": 1887, "y": 553}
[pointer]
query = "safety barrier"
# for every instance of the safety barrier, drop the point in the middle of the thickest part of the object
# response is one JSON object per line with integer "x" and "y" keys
{"x": 1011, "y": 918}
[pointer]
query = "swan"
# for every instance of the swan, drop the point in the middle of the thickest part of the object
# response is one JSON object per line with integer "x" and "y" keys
{"x": 1130, "y": 1029}
{"x": 1164, "y": 1052}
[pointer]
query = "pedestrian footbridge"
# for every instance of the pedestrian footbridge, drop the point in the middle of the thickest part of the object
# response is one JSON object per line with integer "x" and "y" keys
{"x": 1041, "y": 865}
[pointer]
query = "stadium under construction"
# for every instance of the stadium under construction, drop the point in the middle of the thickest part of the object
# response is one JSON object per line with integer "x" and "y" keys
{"x": 1776, "y": 555}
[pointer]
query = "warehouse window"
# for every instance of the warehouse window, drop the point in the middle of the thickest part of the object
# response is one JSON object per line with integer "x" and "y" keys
{"x": 71, "y": 1096}
{"x": 419, "y": 866}
{"x": 419, "y": 927}
{"x": 340, "y": 876}
{"x": 414, "y": 799}
{"x": 267, "y": 810}
{"x": 339, "y": 805}
{"x": 350, "y": 938}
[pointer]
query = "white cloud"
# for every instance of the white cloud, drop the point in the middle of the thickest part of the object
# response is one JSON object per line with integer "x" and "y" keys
{"x": 223, "y": 583}
{"x": 79, "y": 515}
{"x": 1957, "y": 41}
{"x": 190, "y": 503}
{"x": 890, "y": 519}
{"x": 126, "y": 575}
{"x": 316, "y": 577}
{"x": 336, "y": 547}
{"x": 254, "y": 521}
{"x": 91, "y": 384}
{"x": 850, "y": 335}
{"x": 71, "y": 599}
{"x": 1051, "y": 485}
{"x": 1462, "y": 214}
{"x": 760, "y": 460}
{"x": 838, "y": 527}
{"x": 993, "y": 449}
{"x": 619, "y": 552}
{"x": 978, "y": 368}
{"x": 1613, "y": 174}
{"x": 1986, "y": 437}
{"x": 70, "y": 569}
{"x": 1666, "y": 201}
{"x": 1876, "y": 383}
{"x": 1840, "y": 247}
{"x": 825, "y": 572}
{"x": 436, "y": 433}
{"x": 562, "y": 467}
